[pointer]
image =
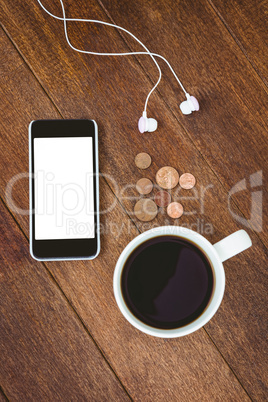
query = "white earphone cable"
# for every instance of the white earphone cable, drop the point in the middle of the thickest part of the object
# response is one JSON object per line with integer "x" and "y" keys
{"x": 152, "y": 55}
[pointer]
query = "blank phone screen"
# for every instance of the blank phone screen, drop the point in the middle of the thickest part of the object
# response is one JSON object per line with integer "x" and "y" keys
{"x": 64, "y": 188}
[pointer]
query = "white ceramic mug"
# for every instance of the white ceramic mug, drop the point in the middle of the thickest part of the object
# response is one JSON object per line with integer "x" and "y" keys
{"x": 216, "y": 254}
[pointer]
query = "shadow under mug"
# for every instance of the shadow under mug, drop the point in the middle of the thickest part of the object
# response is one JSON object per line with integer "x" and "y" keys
{"x": 216, "y": 254}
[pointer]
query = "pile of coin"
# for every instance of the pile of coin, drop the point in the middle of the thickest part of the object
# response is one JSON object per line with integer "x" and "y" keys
{"x": 167, "y": 178}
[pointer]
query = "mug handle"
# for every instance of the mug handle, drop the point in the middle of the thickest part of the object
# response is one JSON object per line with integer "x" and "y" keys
{"x": 232, "y": 244}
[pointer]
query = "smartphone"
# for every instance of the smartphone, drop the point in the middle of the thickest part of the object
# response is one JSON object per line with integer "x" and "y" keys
{"x": 64, "y": 189}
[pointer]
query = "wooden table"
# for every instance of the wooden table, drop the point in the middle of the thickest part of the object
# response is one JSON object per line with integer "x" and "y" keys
{"x": 62, "y": 334}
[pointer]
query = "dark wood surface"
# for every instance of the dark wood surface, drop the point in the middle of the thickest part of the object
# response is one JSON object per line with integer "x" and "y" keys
{"x": 2, "y": 396}
{"x": 62, "y": 335}
{"x": 246, "y": 22}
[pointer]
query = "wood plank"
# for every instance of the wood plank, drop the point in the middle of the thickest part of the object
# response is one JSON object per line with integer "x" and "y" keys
{"x": 89, "y": 287}
{"x": 196, "y": 370}
{"x": 211, "y": 60}
{"x": 231, "y": 129}
{"x": 45, "y": 351}
{"x": 2, "y": 396}
{"x": 247, "y": 23}
{"x": 236, "y": 330}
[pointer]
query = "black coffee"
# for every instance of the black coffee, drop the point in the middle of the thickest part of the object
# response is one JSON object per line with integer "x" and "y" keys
{"x": 167, "y": 282}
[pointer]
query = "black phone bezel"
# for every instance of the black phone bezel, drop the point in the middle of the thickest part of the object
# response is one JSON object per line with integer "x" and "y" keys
{"x": 79, "y": 248}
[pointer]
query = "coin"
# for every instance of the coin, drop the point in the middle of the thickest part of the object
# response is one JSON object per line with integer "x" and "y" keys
{"x": 187, "y": 181}
{"x": 144, "y": 186}
{"x": 167, "y": 177}
{"x": 162, "y": 198}
{"x": 175, "y": 210}
{"x": 143, "y": 160}
{"x": 145, "y": 209}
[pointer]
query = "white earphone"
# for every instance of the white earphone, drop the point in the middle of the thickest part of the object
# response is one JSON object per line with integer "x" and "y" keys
{"x": 145, "y": 124}
{"x": 190, "y": 105}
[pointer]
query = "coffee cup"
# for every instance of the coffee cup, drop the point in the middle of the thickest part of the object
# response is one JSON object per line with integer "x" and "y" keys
{"x": 169, "y": 281}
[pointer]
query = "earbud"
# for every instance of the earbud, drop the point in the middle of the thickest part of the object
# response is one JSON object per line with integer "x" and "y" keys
{"x": 147, "y": 124}
{"x": 190, "y": 105}
{"x": 187, "y": 107}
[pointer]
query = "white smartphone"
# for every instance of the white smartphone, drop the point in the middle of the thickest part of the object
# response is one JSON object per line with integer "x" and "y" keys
{"x": 64, "y": 189}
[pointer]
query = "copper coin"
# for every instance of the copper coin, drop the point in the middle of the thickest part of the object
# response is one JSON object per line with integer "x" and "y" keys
{"x": 162, "y": 198}
{"x": 144, "y": 186}
{"x": 175, "y": 210}
{"x": 143, "y": 160}
{"x": 167, "y": 177}
{"x": 145, "y": 210}
{"x": 187, "y": 181}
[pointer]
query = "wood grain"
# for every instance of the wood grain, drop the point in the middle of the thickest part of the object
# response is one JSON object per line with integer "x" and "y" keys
{"x": 208, "y": 67}
{"x": 3, "y": 398}
{"x": 133, "y": 355}
{"x": 209, "y": 136}
{"x": 247, "y": 22}
{"x": 218, "y": 74}
{"x": 45, "y": 352}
